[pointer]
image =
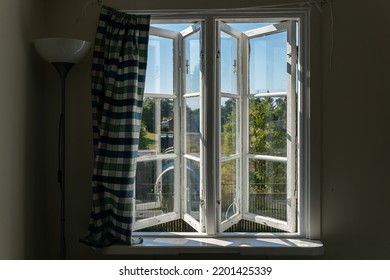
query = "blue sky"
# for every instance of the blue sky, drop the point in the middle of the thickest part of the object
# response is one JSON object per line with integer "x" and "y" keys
{"x": 267, "y": 61}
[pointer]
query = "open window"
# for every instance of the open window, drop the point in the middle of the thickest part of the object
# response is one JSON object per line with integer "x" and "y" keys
{"x": 158, "y": 163}
{"x": 230, "y": 77}
{"x": 256, "y": 103}
{"x": 193, "y": 193}
{"x": 269, "y": 156}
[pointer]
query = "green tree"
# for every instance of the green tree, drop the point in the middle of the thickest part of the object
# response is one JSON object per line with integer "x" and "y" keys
{"x": 148, "y": 114}
{"x": 167, "y": 108}
{"x": 147, "y": 132}
{"x": 267, "y": 136}
{"x": 228, "y": 127}
{"x": 143, "y": 143}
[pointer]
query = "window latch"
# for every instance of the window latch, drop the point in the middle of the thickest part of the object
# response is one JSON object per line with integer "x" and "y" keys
{"x": 235, "y": 67}
{"x": 187, "y": 65}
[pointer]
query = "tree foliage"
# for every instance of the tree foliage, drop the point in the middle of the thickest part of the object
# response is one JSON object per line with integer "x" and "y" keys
{"x": 267, "y": 136}
{"x": 149, "y": 120}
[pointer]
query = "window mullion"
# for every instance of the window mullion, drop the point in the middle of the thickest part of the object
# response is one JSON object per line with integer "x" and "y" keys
{"x": 218, "y": 124}
{"x": 211, "y": 126}
{"x": 157, "y": 125}
{"x": 291, "y": 128}
{"x": 177, "y": 125}
{"x": 245, "y": 125}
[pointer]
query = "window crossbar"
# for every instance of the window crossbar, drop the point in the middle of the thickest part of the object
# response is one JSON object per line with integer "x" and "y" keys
{"x": 270, "y": 94}
{"x": 268, "y": 158}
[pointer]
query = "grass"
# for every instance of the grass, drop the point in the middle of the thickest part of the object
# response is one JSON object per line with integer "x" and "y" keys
{"x": 150, "y": 141}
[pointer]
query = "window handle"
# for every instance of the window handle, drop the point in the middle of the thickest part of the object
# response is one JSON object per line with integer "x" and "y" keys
{"x": 235, "y": 67}
{"x": 187, "y": 65}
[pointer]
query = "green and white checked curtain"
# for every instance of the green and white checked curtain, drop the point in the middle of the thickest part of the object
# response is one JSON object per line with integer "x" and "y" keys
{"x": 118, "y": 78}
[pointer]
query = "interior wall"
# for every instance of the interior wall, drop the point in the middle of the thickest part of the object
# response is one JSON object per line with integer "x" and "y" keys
{"x": 355, "y": 129}
{"x": 22, "y": 191}
{"x": 351, "y": 98}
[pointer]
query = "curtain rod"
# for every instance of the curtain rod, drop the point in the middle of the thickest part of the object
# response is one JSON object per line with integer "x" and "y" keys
{"x": 310, "y": 3}
{"x": 317, "y": 3}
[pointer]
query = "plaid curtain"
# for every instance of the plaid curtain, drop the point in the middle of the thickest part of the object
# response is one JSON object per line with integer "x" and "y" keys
{"x": 118, "y": 76}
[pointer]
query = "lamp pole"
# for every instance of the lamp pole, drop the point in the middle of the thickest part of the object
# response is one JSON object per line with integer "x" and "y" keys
{"x": 63, "y": 70}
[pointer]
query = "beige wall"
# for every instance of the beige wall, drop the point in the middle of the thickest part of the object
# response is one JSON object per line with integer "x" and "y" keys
{"x": 22, "y": 189}
{"x": 352, "y": 98}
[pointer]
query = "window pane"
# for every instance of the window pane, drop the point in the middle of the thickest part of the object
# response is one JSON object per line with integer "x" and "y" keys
{"x": 229, "y": 195}
{"x": 192, "y": 63}
{"x": 228, "y": 126}
{"x": 267, "y": 126}
{"x": 192, "y": 171}
{"x": 167, "y": 126}
{"x": 267, "y": 188}
{"x": 229, "y": 63}
{"x": 268, "y": 63}
{"x": 193, "y": 126}
{"x": 159, "y": 73}
{"x": 157, "y": 127}
{"x": 154, "y": 188}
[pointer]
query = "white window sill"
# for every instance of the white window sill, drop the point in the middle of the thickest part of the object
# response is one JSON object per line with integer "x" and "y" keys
{"x": 226, "y": 245}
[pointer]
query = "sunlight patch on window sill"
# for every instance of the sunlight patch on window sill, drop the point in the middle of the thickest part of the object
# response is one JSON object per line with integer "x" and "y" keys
{"x": 198, "y": 245}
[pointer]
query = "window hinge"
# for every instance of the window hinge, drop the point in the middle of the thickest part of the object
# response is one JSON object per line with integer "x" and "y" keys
{"x": 290, "y": 55}
{"x": 180, "y": 61}
{"x": 201, "y": 54}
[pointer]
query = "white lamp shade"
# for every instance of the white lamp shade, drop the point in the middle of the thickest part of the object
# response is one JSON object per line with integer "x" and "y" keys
{"x": 62, "y": 49}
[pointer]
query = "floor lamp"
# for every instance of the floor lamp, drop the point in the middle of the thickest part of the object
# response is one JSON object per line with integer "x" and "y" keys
{"x": 62, "y": 53}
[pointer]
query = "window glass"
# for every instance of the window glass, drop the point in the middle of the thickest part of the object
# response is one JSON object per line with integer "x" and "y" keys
{"x": 268, "y": 63}
{"x": 228, "y": 126}
{"x": 229, "y": 63}
{"x": 193, "y": 188}
{"x": 154, "y": 188}
{"x": 192, "y": 63}
{"x": 157, "y": 127}
{"x": 193, "y": 126}
{"x": 267, "y": 188}
{"x": 159, "y": 71}
{"x": 267, "y": 126}
{"x": 229, "y": 195}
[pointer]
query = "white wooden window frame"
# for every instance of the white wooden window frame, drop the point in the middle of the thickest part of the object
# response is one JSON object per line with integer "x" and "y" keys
{"x": 234, "y": 219}
{"x": 290, "y": 159}
{"x": 308, "y": 193}
{"x": 198, "y": 225}
{"x": 147, "y": 208}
